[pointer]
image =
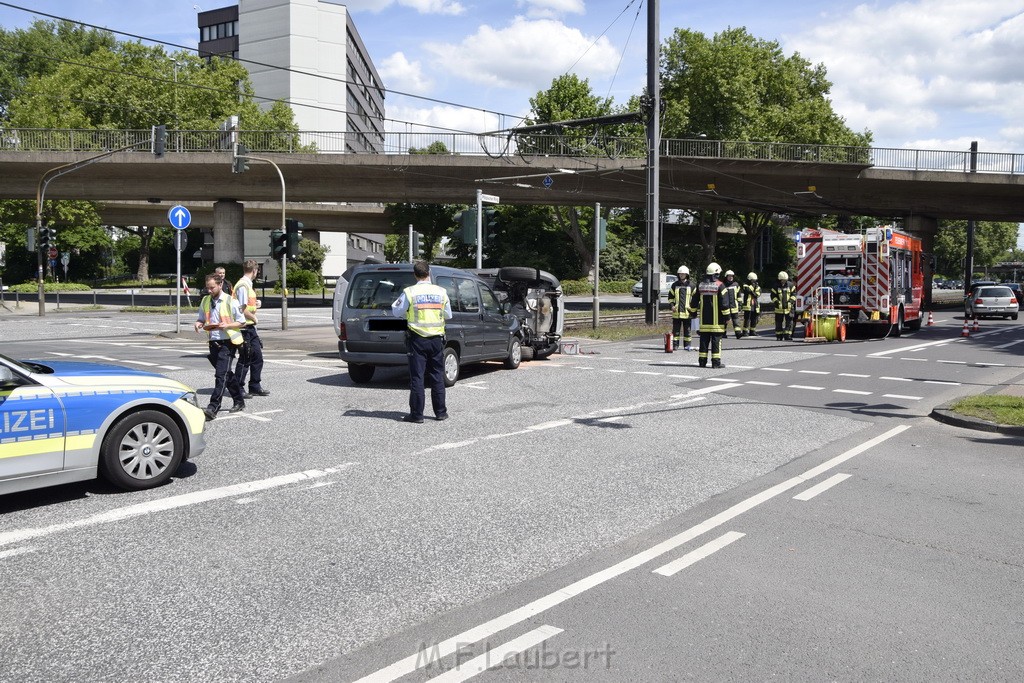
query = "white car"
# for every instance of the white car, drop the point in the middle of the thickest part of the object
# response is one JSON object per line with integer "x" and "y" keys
{"x": 666, "y": 286}
{"x": 66, "y": 421}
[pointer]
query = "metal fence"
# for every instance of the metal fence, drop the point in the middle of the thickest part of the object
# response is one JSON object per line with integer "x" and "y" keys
{"x": 528, "y": 147}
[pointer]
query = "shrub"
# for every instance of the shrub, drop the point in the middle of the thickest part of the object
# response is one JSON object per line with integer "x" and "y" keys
{"x": 586, "y": 286}
{"x": 32, "y": 287}
{"x": 303, "y": 281}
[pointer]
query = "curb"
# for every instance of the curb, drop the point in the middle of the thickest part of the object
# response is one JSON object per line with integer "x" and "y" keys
{"x": 943, "y": 413}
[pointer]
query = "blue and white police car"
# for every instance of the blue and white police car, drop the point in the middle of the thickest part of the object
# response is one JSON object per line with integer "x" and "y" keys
{"x": 65, "y": 421}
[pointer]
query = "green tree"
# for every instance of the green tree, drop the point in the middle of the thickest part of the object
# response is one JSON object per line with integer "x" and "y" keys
{"x": 734, "y": 86}
{"x": 433, "y": 221}
{"x": 311, "y": 256}
{"x": 992, "y": 242}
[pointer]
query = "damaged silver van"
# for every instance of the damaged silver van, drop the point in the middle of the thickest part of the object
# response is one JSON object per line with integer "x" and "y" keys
{"x": 487, "y": 323}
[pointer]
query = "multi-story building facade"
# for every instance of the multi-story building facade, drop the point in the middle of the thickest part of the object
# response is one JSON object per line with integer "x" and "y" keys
{"x": 307, "y": 53}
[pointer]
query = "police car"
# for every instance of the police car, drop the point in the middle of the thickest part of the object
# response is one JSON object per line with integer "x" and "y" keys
{"x": 65, "y": 421}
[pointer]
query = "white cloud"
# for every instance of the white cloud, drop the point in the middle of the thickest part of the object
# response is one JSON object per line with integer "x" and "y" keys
{"x": 550, "y": 9}
{"x": 525, "y": 54}
{"x": 398, "y": 73}
{"x": 908, "y": 70}
{"x": 449, "y": 7}
{"x": 422, "y": 126}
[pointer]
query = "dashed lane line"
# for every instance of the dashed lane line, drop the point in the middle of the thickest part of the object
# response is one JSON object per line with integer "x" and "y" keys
{"x": 805, "y": 387}
{"x": 699, "y": 554}
{"x": 821, "y": 487}
{"x": 496, "y": 656}
{"x": 852, "y": 391}
{"x": 902, "y": 396}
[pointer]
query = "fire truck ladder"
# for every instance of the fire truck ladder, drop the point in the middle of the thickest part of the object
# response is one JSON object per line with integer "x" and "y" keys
{"x": 826, "y": 323}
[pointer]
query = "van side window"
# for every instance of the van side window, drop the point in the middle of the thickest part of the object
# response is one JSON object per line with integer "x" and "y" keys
{"x": 490, "y": 301}
{"x": 469, "y": 297}
{"x": 449, "y": 286}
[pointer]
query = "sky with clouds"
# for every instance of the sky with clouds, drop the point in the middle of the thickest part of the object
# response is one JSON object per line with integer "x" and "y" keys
{"x": 932, "y": 74}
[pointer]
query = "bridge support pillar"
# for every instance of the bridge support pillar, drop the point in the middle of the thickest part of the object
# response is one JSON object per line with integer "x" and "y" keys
{"x": 926, "y": 228}
{"x": 228, "y": 231}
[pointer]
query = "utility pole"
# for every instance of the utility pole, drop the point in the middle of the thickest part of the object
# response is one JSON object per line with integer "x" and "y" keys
{"x": 969, "y": 261}
{"x": 652, "y": 265}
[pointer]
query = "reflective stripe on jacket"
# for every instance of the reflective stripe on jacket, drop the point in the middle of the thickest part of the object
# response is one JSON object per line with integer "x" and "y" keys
{"x": 712, "y": 305}
{"x": 250, "y": 302}
{"x": 751, "y": 293}
{"x": 425, "y": 315}
{"x": 784, "y": 297}
{"x": 680, "y": 296}
{"x": 224, "y": 313}
{"x": 733, "y": 296}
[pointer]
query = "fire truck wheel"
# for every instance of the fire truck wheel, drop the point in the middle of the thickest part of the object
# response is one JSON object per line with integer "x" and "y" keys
{"x": 900, "y": 326}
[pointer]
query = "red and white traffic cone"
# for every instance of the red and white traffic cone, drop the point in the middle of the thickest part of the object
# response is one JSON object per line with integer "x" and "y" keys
{"x": 931, "y": 320}
{"x": 977, "y": 327}
{"x": 966, "y": 332}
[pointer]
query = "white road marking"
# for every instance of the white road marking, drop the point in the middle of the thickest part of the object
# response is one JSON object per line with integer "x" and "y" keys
{"x": 845, "y": 355}
{"x": 699, "y": 554}
{"x": 821, "y": 487}
{"x": 852, "y": 374}
{"x": 915, "y": 347}
{"x": 258, "y": 417}
{"x": 719, "y": 379}
{"x": 14, "y": 552}
{"x": 451, "y": 645}
{"x": 618, "y": 370}
{"x": 814, "y": 372}
{"x": 909, "y": 398}
{"x": 685, "y": 376}
{"x": 171, "y": 503}
{"x": 802, "y": 386}
{"x": 919, "y": 360}
{"x": 897, "y": 379}
{"x": 479, "y": 384}
{"x": 778, "y": 369}
{"x": 585, "y": 367}
{"x": 763, "y": 384}
{"x": 644, "y": 372}
{"x": 954, "y": 362}
{"x": 852, "y": 391}
{"x": 1009, "y": 344}
{"x": 740, "y": 367}
{"x": 936, "y": 381}
{"x": 496, "y": 656}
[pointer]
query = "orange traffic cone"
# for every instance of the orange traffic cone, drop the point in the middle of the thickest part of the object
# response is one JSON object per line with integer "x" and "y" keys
{"x": 931, "y": 320}
{"x": 977, "y": 327}
{"x": 966, "y": 332}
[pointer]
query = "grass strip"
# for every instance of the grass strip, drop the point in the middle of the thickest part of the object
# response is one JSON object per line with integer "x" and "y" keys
{"x": 1004, "y": 410}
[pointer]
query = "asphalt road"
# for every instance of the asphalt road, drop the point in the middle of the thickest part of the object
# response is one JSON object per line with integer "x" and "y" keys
{"x": 318, "y": 537}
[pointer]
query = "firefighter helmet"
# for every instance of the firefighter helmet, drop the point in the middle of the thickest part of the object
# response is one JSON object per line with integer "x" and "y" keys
{"x": 752, "y": 276}
{"x": 729, "y": 272}
{"x": 714, "y": 268}
{"x": 783, "y": 275}
{"x": 683, "y": 270}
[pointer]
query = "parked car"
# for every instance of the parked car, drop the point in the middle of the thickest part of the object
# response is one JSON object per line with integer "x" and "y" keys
{"x": 64, "y": 421}
{"x": 666, "y": 286}
{"x": 481, "y": 329}
{"x": 992, "y": 301}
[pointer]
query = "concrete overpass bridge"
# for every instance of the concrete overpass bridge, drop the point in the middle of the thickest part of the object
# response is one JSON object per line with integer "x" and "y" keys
{"x": 137, "y": 188}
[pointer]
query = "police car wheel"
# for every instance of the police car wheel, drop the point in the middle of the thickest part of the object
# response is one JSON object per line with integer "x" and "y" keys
{"x": 451, "y": 366}
{"x": 515, "y": 354}
{"x": 142, "y": 450}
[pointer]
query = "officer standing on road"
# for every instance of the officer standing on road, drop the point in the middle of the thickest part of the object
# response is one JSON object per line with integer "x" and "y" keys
{"x": 734, "y": 312}
{"x": 220, "y": 316}
{"x": 680, "y": 295}
{"x": 425, "y": 307}
{"x": 784, "y": 300}
{"x": 712, "y": 303}
{"x": 750, "y": 296}
{"x": 250, "y": 356}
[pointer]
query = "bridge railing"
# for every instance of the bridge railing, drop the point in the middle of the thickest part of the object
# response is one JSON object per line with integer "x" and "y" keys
{"x": 529, "y": 147}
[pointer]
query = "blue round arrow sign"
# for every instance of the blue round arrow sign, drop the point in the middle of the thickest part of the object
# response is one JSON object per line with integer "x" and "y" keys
{"x": 180, "y": 217}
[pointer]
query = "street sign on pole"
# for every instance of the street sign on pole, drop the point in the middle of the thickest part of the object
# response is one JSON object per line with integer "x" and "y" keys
{"x": 489, "y": 198}
{"x": 52, "y": 253}
{"x": 179, "y": 216}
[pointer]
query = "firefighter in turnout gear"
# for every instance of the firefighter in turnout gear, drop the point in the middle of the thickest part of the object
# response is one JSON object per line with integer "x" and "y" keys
{"x": 750, "y": 295}
{"x": 712, "y": 302}
{"x": 784, "y": 299}
{"x": 679, "y": 296}
{"x": 734, "y": 312}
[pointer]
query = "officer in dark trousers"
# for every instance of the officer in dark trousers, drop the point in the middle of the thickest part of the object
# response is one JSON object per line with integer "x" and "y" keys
{"x": 220, "y": 316}
{"x": 680, "y": 295}
{"x": 425, "y": 307}
{"x": 713, "y": 305}
{"x": 250, "y": 359}
{"x": 750, "y": 294}
{"x": 734, "y": 296}
{"x": 784, "y": 300}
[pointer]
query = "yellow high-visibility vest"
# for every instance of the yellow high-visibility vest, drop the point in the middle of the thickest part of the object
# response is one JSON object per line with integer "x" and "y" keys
{"x": 425, "y": 315}
{"x": 224, "y": 311}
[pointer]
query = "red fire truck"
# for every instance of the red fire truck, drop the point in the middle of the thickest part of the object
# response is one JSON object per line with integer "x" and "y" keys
{"x": 876, "y": 278}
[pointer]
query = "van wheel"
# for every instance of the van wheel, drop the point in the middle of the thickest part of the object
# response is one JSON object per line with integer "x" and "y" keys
{"x": 515, "y": 354}
{"x": 451, "y": 366}
{"x": 360, "y": 373}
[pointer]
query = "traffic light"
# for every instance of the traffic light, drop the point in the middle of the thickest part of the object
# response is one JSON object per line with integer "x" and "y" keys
{"x": 239, "y": 162}
{"x": 418, "y": 250}
{"x": 47, "y": 238}
{"x": 467, "y": 220}
{"x": 294, "y": 234}
{"x": 602, "y": 233}
{"x": 490, "y": 225}
{"x": 278, "y": 243}
{"x": 159, "y": 140}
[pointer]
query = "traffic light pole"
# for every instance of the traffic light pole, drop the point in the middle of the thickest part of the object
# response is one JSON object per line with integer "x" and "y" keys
{"x": 284, "y": 229}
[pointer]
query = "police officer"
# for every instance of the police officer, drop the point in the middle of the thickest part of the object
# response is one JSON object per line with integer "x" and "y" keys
{"x": 750, "y": 294}
{"x": 220, "y": 316}
{"x": 680, "y": 295}
{"x": 784, "y": 300}
{"x": 425, "y": 307}
{"x": 250, "y": 355}
{"x": 712, "y": 303}
{"x": 734, "y": 296}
